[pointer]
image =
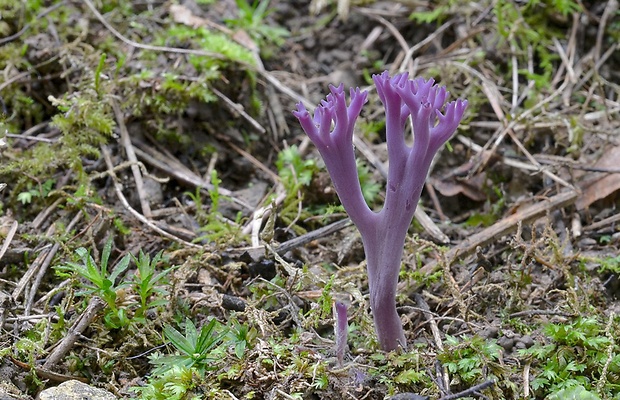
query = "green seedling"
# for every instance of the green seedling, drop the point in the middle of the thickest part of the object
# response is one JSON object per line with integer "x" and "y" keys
{"x": 370, "y": 187}
{"x": 213, "y": 224}
{"x": 101, "y": 282}
{"x": 609, "y": 265}
{"x": 574, "y": 393}
{"x": 528, "y": 27}
{"x": 195, "y": 347}
{"x": 294, "y": 170}
{"x": 241, "y": 337}
{"x": 403, "y": 370}
{"x": 252, "y": 20}
{"x": 210, "y": 41}
{"x": 148, "y": 283}
{"x": 371, "y": 129}
{"x": 84, "y": 194}
{"x": 216, "y": 228}
{"x": 40, "y": 191}
{"x": 295, "y": 173}
{"x": 438, "y": 14}
{"x": 99, "y": 72}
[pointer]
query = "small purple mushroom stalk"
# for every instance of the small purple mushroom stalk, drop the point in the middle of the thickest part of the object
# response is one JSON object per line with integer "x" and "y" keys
{"x": 341, "y": 330}
{"x": 384, "y": 232}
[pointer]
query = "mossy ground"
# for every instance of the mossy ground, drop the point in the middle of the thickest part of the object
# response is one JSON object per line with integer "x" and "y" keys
{"x": 163, "y": 128}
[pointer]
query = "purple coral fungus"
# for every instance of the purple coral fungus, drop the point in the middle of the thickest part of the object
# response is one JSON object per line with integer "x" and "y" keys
{"x": 384, "y": 232}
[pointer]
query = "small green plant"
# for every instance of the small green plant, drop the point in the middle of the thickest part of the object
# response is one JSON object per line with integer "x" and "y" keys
{"x": 241, "y": 337}
{"x": 426, "y": 17}
{"x": 529, "y": 26}
{"x": 494, "y": 210}
{"x": 41, "y": 191}
{"x": 215, "y": 226}
{"x": 28, "y": 348}
{"x": 173, "y": 95}
{"x": 293, "y": 169}
{"x": 264, "y": 292}
{"x": 196, "y": 347}
{"x": 173, "y": 384}
{"x": 573, "y": 393}
{"x": 83, "y": 195}
{"x": 371, "y": 129}
{"x": 609, "y": 264}
{"x": 370, "y": 187}
{"x": 198, "y": 352}
{"x": 322, "y": 310}
{"x": 252, "y": 20}
{"x": 147, "y": 282}
{"x": 207, "y": 40}
{"x": 296, "y": 173}
{"x": 101, "y": 282}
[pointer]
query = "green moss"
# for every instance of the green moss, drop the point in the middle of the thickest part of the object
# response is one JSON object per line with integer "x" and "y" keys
{"x": 206, "y": 40}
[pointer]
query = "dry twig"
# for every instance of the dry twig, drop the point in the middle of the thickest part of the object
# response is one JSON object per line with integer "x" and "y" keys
{"x": 131, "y": 156}
{"x": 9, "y": 238}
{"x": 435, "y": 332}
{"x": 95, "y": 305}
{"x": 119, "y": 192}
{"x": 45, "y": 374}
{"x": 49, "y": 256}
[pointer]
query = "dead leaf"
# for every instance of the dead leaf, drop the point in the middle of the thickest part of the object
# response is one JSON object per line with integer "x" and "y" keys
{"x": 469, "y": 187}
{"x": 183, "y": 15}
{"x": 598, "y": 186}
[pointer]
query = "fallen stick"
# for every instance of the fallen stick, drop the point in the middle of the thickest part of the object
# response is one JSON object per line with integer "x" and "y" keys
{"x": 45, "y": 374}
{"x": 95, "y": 305}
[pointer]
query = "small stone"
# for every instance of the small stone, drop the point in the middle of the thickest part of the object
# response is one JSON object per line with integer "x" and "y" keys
{"x": 587, "y": 242}
{"x": 8, "y": 391}
{"x": 153, "y": 192}
{"x": 489, "y": 333}
{"x": 506, "y": 343}
{"x": 309, "y": 42}
{"x": 527, "y": 340}
{"x": 408, "y": 396}
{"x": 75, "y": 390}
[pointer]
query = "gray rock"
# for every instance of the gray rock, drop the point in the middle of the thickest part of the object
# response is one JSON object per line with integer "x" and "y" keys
{"x": 408, "y": 396}
{"x": 8, "y": 391}
{"x": 527, "y": 340}
{"x": 506, "y": 342}
{"x": 75, "y": 390}
{"x": 489, "y": 333}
